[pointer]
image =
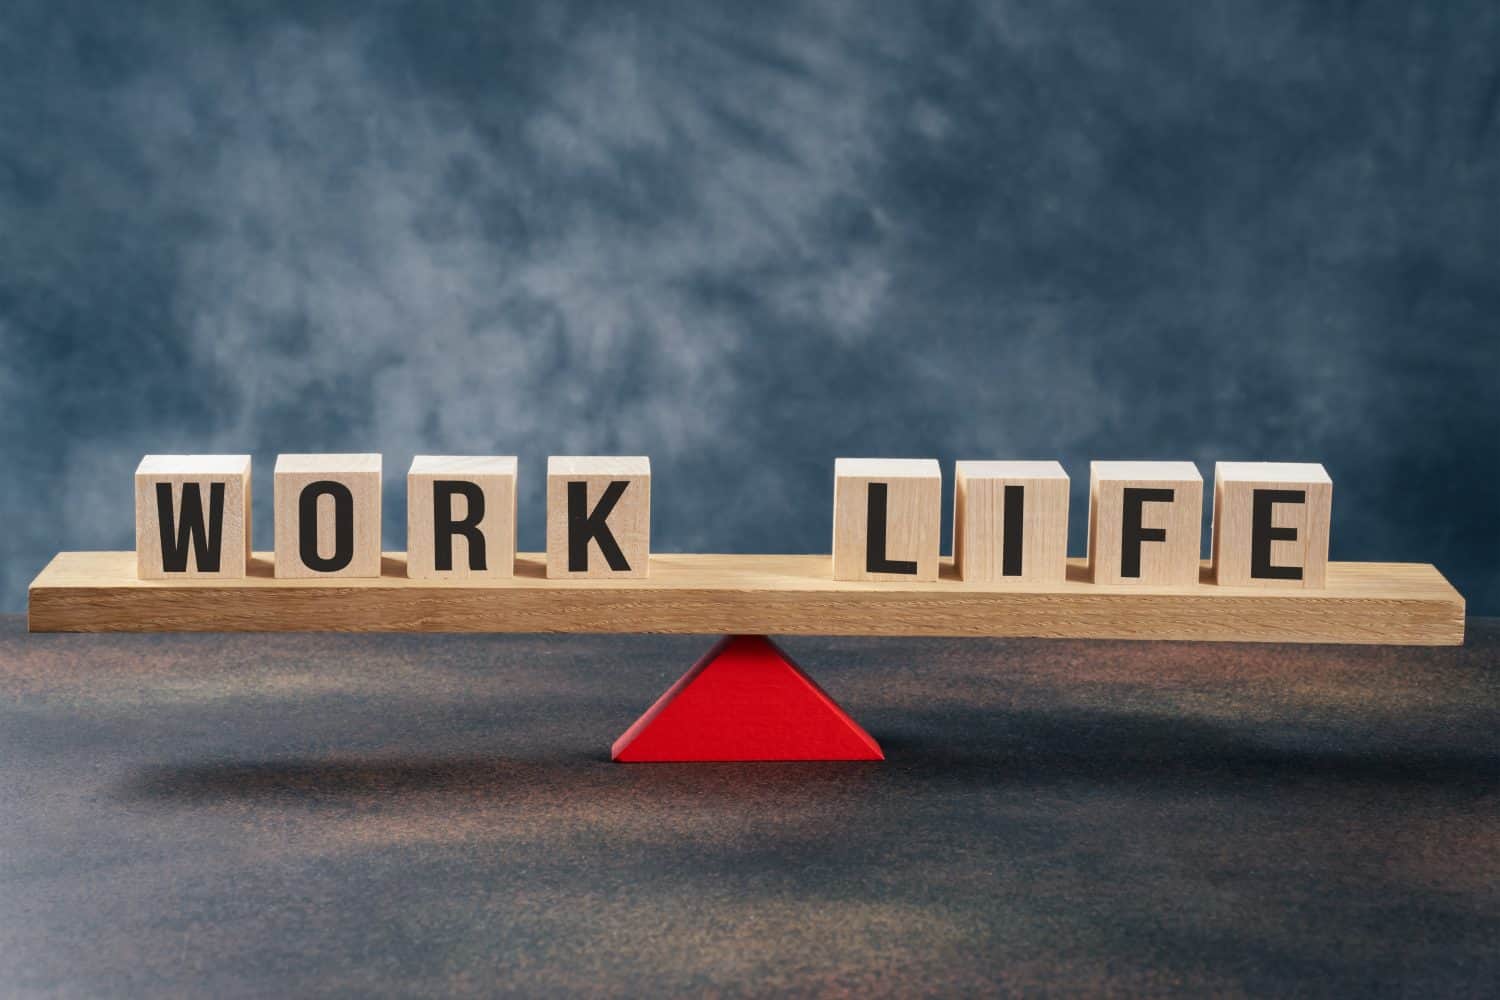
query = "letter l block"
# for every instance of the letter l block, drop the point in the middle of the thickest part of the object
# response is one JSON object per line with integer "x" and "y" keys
{"x": 886, "y": 518}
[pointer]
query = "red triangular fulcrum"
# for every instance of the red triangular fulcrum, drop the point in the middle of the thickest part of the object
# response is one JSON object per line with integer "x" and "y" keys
{"x": 745, "y": 700}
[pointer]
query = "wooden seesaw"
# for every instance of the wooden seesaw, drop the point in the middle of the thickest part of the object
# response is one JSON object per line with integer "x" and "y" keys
{"x": 1269, "y": 579}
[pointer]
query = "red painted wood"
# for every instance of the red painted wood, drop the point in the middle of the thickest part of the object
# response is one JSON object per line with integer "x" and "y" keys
{"x": 745, "y": 700}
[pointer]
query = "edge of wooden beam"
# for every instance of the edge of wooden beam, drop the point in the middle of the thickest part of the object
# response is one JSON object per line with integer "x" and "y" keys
{"x": 1367, "y": 603}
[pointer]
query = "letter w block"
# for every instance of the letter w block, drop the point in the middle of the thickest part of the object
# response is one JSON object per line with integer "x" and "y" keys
{"x": 192, "y": 516}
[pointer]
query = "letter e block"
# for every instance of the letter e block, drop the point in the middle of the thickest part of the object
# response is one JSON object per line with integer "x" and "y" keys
{"x": 1271, "y": 523}
{"x": 192, "y": 516}
{"x": 1145, "y": 522}
{"x": 1010, "y": 522}
{"x": 461, "y": 516}
{"x": 327, "y": 515}
{"x": 887, "y": 516}
{"x": 598, "y": 516}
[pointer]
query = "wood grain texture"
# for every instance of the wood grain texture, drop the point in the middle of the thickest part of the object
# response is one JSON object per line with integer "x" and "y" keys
{"x": 979, "y": 490}
{"x": 1167, "y": 561}
{"x": 1235, "y": 486}
{"x": 360, "y": 474}
{"x": 628, "y": 521}
{"x": 202, "y": 471}
{"x": 495, "y": 478}
{"x": 1396, "y": 603}
{"x": 913, "y": 516}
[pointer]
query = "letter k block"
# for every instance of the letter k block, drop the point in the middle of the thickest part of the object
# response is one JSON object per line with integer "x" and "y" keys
{"x": 598, "y": 516}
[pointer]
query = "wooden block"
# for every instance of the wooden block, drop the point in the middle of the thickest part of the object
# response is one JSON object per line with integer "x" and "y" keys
{"x": 192, "y": 516}
{"x": 598, "y": 516}
{"x": 1145, "y": 522}
{"x": 886, "y": 518}
{"x": 327, "y": 515}
{"x": 461, "y": 516}
{"x": 1010, "y": 521}
{"x": 1271, "y": 523}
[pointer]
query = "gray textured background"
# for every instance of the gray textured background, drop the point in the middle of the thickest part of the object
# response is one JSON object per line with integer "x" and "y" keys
{"x": 744, "y": 239}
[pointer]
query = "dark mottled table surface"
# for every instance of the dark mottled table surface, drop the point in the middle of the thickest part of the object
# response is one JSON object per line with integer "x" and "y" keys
{"x": 284, "y": 815}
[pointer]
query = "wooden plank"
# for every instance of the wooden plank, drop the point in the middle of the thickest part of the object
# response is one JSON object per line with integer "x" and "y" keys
{"x": 1397, "y": 603}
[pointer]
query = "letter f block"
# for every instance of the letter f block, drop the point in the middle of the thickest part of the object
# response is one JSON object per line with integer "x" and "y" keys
{"x": 192, "y": 516}
{"x": 598, "y": 516}
{"x": 1145, "y": 523}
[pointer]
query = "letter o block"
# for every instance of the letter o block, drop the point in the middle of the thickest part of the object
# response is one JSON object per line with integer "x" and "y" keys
{"x": 1145, "y": 523}
{"x": 886, "y": 518}
{"x": 598, "y": 516}
{"x": 1271, "y": 524}
{"x": 461, "y": 517}
{"x": 327, "y": 515}
{"x": 192, "y": 516}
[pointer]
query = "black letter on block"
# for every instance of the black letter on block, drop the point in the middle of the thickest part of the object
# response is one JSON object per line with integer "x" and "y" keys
{"x": 875, "y": 560}
{"x": 174, "y": 543}
{"x": 1015, "y": 519}
{"x": 583, "y": 526}
{"x": 444, "y": 527}
{"x": 1262, "y": 534}
{"x": 343, "y": 525}
{"x": 1132, "y": 534}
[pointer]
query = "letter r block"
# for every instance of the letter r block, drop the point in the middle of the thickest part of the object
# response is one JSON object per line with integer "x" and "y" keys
{"x": 1145, "y": 523}
{"x": 461, "y": 517}
{"x": 886, "y": 518}
{"x": 598, "y": 516}
{"x": 327, "y": 515}
{"x": 1271, "y": 524}
{"x": 192, "y": 516}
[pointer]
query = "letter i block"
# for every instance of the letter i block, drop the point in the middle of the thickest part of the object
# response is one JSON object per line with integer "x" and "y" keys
{"x": 598, "y": 516}
{"x": 461, "y": 516}
{"x": 327, "y": 515}
{"x": 1145, "y": 522}
{"x": 886, "y": 518}
{"x": 1010, "y": 522}
{"x": 192, "y": 516}
{"x": 1271, "y": 523}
